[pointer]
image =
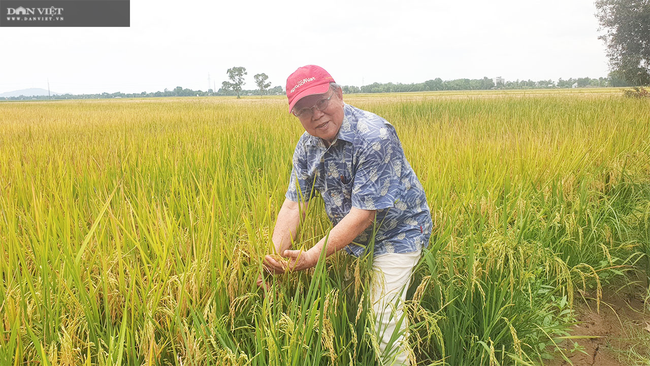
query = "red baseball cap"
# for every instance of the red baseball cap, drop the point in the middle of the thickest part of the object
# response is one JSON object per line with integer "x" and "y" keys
{"x": 305, "y": 81}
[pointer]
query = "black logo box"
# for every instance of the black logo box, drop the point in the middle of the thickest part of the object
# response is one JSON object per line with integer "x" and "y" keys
{"x": 74, "y": 13}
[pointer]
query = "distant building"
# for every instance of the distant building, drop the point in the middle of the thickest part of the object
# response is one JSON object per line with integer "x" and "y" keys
{"x": 499, "y": 80}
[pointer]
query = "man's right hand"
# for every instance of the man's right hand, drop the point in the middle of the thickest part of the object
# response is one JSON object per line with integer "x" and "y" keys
{"x": 275, "y": 264}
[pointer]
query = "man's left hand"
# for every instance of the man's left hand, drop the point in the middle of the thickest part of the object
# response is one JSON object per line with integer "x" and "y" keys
{"x": 300, "y": 260}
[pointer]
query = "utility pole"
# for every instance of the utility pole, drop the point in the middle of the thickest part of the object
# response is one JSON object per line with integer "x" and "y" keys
{"x": 49, "y": 96}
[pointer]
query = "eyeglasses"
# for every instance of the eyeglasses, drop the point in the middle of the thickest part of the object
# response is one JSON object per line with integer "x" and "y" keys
{"x": 308, "y": 112}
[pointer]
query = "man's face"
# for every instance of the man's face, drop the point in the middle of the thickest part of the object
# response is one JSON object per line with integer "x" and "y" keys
{"x": 326, "y": 123}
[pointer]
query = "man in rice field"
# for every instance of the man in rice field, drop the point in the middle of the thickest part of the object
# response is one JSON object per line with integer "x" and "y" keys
{"x": 355, "y": 160}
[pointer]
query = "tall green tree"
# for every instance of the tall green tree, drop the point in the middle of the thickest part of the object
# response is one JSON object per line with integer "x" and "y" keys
{"x": 236, "y": 75}
{"x": 627, "y": 27}
{"x": 260, "y": 80}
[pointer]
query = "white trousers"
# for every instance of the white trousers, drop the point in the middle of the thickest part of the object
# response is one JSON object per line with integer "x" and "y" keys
{"x": 390, "y": 280}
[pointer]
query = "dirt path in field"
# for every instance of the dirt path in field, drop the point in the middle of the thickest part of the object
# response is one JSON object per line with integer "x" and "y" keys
{"x": 621, "y": 328}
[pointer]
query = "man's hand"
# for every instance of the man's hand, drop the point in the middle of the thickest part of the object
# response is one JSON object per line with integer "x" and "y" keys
{"x": 275, "y": 264}
{"x": 297, "y": 260}
{"x": 300, "y": 260}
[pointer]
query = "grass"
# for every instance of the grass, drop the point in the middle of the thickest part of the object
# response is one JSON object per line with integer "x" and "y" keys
{"x": 637, "y": 341}
{"x": 132, "y": 231}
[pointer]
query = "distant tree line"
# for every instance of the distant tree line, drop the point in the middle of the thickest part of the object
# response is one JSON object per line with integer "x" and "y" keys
{"x": 481, "y": 84}
{"x": 176, "y": 92}
{"x": 429, "y": 85}
{"x": 276, "y": 90}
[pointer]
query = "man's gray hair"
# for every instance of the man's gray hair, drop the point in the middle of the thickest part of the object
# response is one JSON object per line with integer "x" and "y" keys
{"x": 335, "y": 86}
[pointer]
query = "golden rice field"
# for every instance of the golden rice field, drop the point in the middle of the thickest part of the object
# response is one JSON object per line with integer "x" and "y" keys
{"x": 132, "y": 231}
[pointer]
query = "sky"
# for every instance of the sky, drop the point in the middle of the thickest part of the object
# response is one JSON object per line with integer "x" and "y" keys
{"x": 193, "y": 43}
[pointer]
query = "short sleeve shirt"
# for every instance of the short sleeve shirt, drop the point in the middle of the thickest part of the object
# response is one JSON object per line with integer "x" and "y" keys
{"x": 364, "y": 167}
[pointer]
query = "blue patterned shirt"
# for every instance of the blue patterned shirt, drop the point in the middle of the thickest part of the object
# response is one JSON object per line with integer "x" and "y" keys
{"x": 364, "y": 167}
